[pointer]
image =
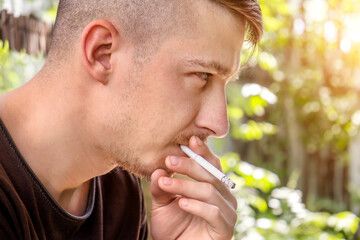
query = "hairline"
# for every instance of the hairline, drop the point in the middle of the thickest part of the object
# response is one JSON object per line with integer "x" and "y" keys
{"x": 144, "y": 50}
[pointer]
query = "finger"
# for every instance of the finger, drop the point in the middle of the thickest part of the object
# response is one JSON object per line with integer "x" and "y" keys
{"x": 189, "y": 167}
{"x": 201, "y": 191}
{"x": 159, "y": 197}
{"x": 199, "y": 147}
{"x": 222, "y": 228}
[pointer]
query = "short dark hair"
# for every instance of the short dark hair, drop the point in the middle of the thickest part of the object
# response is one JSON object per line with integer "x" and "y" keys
{"x": 144, "y": 22}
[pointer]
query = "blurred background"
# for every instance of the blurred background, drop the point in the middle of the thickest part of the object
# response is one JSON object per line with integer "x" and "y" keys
{"x": 294, "y": 143}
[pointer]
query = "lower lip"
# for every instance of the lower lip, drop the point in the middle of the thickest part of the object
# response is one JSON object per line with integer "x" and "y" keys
{"x": 180, "y": 152}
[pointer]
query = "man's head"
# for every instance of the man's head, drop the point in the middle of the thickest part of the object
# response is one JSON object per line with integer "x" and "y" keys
{"x": 145, "y": 22}
{"x": 137, "y": 114}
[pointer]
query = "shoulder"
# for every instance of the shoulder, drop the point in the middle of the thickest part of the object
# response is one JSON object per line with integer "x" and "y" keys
{"x": 13, "y": 215}
{"x": 9, "y": 198}
{"x": 7, "y": 189}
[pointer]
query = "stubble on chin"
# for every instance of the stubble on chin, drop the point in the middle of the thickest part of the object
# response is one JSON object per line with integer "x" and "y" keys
{"x": 133, "y": 165}
{"x": 128, "y": 160}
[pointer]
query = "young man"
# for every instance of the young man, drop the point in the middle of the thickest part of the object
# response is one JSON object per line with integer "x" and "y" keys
{"x": 125, "y": 83}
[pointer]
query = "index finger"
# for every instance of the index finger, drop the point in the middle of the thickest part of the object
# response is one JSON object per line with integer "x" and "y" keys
{"x": 202, "y": 149}
{"x": 208, "y": 166}
{"x": 192, "y": 169}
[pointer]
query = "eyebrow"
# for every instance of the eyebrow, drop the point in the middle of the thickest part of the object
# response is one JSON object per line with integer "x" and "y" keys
{"x": 212, "y": 66}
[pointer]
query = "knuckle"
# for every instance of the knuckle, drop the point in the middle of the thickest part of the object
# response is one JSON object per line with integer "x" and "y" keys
{"x": 231, "y": 234}
{"x": 216, "y": 212}
{"x": 231, "y": 230}
{"x": 234, "y": 202}
{"x": 209, "y": 190}
{"x": 214, "y": 181}
{"x": 234, "y": 217}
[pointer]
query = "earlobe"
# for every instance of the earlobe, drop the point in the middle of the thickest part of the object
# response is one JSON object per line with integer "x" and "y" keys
{"x": 98, "y": 43}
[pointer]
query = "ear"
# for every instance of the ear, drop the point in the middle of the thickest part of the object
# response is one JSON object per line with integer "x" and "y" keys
{"x": 99, "y": 41}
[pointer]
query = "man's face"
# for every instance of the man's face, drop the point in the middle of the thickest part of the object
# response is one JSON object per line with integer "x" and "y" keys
{"x": 178, "y": 93}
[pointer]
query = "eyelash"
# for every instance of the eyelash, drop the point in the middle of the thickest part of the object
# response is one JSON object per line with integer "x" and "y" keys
{"x": 203, "y": 75}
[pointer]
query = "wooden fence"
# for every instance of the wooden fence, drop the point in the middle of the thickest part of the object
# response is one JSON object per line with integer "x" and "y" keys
{"x": 25, "y": 33}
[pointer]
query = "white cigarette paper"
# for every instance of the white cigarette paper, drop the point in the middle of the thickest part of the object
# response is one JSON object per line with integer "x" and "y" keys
{"x": 210, "y": 168}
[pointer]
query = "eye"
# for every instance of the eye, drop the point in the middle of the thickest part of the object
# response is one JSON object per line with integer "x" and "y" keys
{"x": 203, "y": 75}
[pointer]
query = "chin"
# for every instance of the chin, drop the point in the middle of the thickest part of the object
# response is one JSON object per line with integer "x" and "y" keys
{"x": 144, "y": 169}
{"x": 142, "y": 174}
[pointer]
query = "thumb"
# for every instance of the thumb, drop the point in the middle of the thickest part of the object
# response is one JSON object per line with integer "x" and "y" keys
{"x": 159, "y": 197}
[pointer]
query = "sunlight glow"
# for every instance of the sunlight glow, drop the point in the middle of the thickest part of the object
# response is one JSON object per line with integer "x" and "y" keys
{"x": 263, "y": 223}
{"x": 299, "y": 27}
{"x": 316, "y": 10}
{"x": 352, "y": 27}
{"x": 253, "y": 89}
{"x": 345, "y": 45}
{"x": 21, "y": 7}
{"x": 330, "y": 32}
{"x": 355, "y": 119}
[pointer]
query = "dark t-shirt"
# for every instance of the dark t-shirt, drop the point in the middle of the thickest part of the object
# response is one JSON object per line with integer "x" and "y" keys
{"x": 115, "y": 208}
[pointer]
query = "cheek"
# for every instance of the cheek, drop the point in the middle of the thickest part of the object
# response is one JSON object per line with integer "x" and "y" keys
{"x": 179, "y": 105}
{"x": 165, "y": 116}
{"x": 165, "y": 103}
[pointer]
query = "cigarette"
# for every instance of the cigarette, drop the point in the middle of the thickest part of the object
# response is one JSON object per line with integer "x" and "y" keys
{"x": 210, "y": 168}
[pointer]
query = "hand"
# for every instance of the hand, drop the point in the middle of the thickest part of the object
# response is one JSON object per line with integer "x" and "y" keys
{"x": 186, "y": 209}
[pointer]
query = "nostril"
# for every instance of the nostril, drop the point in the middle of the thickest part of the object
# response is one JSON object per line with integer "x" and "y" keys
{"x": 221, "y": 127}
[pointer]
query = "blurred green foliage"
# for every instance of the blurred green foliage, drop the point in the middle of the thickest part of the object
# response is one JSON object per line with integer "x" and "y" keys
{"x": 304, "y": 78}
{"x": 311, "y": 55}
{"x": 299, "y": 60}
{"x": 16, "y": 67}
{"x": 267, "y": 211}
{"x": 10, "y": 66}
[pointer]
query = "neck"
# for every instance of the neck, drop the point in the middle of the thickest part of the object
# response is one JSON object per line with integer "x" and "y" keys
{"x": 56, "y": 147}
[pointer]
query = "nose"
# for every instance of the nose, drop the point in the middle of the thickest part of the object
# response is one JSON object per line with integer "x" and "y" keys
{"x": 213, "y": 114}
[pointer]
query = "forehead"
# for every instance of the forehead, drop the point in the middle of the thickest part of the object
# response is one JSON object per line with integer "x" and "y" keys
{"x": 197, "y": 17}
{"x": 212, "y": 8}
{"x": 215, "y": 39}
{"x": 211, "y": 42}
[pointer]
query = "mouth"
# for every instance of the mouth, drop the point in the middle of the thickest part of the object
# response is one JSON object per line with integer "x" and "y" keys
{"x": 181, "y": 153}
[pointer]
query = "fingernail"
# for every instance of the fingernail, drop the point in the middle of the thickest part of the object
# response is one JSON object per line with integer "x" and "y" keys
{"x": 174, "y": 161}
{"x": 167, "y": 181}
{"x": 184, "y": 202}
{"x": 198, "y": 141}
